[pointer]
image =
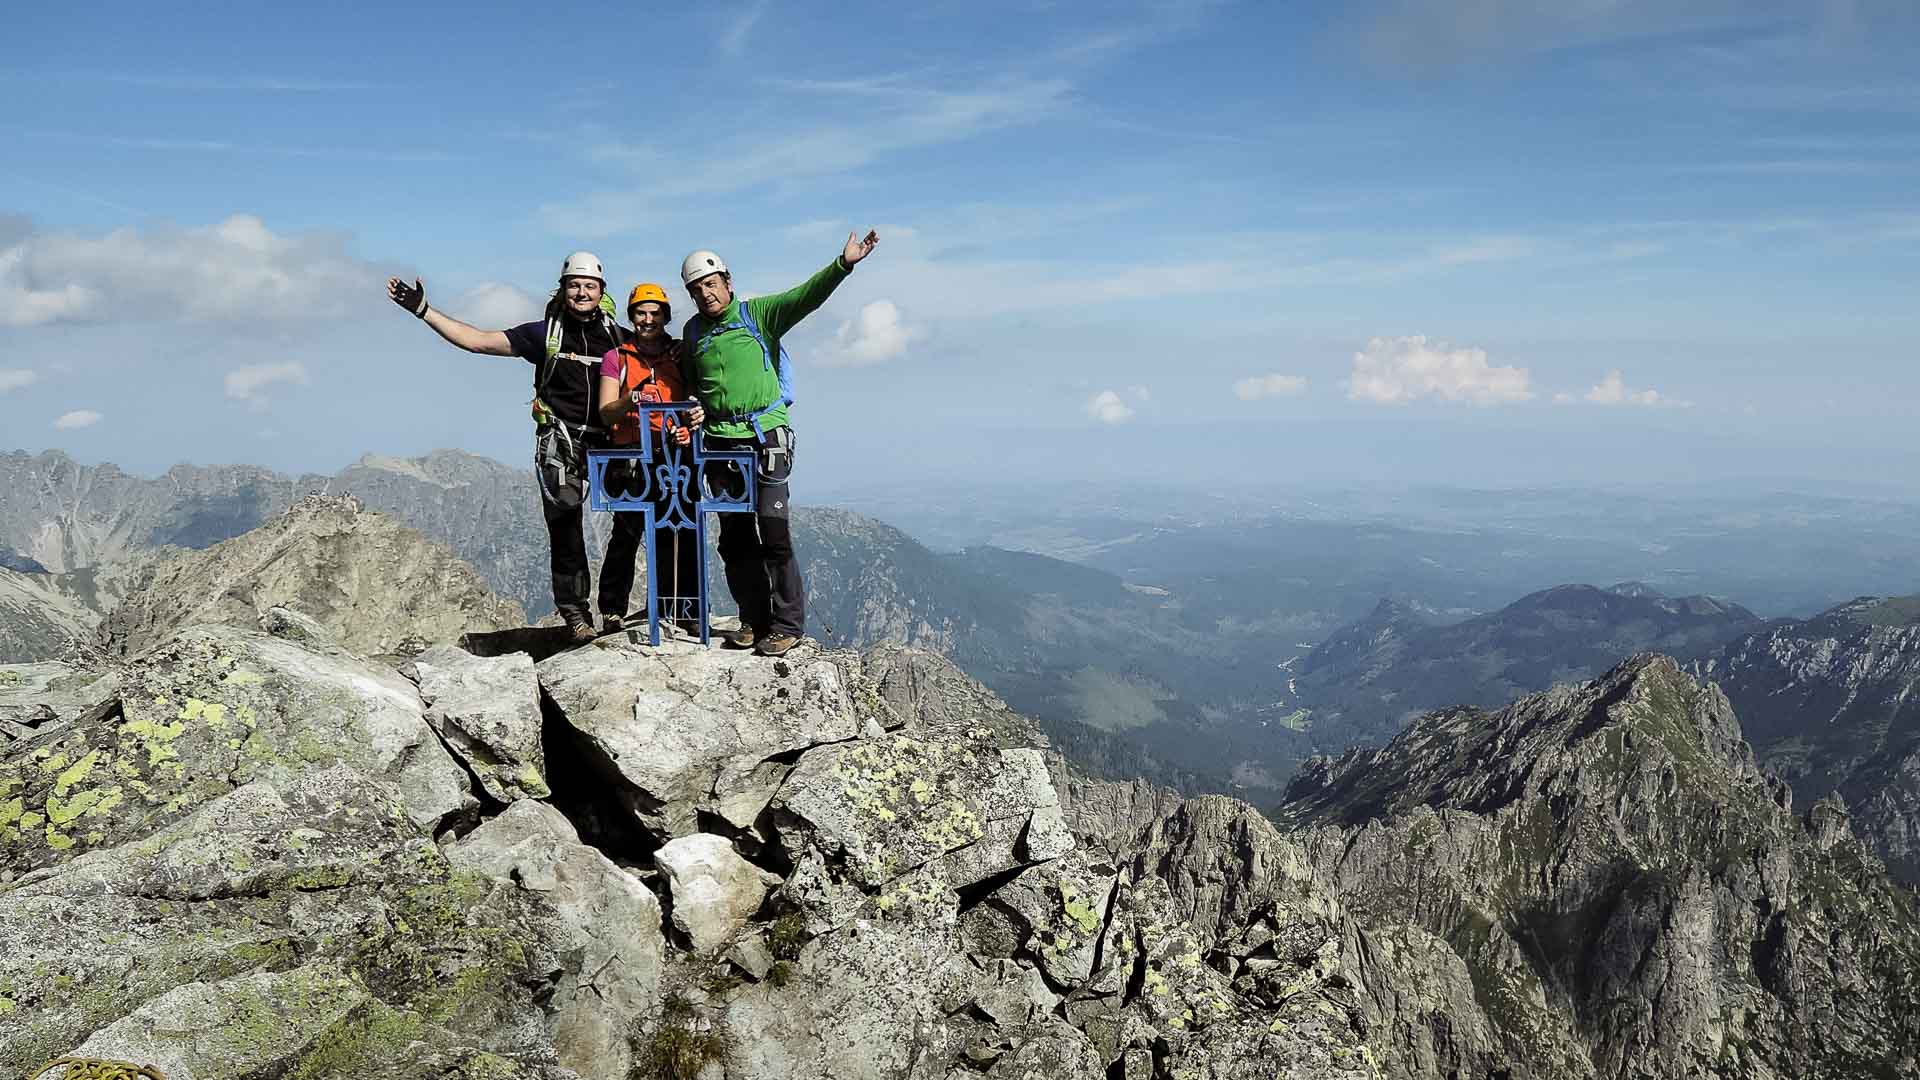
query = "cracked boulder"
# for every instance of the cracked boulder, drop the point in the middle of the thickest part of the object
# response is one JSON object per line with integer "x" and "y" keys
{"x": 1061, "y": 909}
{"x": 209, "y": 711}
{"x": 882, "y": 807}
{"x": 869, "y": 999}
{"x": 602, "y": 917}
{"x": 487, "y": 710}
{"x": 258, "y": 1024}
{"x": 714, "y": 890}
{"x": 685, "y": 730}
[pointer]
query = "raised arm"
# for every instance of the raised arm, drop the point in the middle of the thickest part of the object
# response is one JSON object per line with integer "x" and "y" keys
{"x": 414, "y": 299}
{"x": 779, "y": 312}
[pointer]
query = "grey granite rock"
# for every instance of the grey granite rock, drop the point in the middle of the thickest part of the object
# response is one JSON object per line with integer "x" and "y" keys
{"x": 487, "y": 711}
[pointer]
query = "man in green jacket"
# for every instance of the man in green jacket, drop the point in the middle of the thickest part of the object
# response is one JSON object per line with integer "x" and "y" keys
{"x": 735, "y": 366}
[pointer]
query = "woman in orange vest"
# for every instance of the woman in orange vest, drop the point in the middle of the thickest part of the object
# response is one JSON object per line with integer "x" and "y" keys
{"x": 645, "y": 369}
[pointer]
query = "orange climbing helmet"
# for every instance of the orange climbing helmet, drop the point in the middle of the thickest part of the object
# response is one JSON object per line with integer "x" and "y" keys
{"x": 648, "y": 291}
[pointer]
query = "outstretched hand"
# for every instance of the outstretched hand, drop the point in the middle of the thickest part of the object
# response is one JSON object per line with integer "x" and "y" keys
{"x": 858, "y": 249}
{"x": 412, "y": 297}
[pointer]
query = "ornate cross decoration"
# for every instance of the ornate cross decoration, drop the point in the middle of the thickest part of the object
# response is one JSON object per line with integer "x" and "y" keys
{"x": 676, "y": 490}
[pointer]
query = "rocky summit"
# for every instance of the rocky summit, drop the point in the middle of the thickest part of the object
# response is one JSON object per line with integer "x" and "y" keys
{"x": 258, "y": 855}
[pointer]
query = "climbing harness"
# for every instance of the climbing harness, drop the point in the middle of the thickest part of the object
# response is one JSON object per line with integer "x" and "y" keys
{"x": 560, "y": 443}
{"x": 556, "y": 338}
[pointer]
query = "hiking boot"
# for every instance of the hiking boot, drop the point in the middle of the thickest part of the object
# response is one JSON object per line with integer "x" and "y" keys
{"x": 738, "y": 639}
{"x": 612, "y": 624}
{"x": 580, "y": 627}
{"x": 689, "y": 627}
{"x": 776, "y": 644}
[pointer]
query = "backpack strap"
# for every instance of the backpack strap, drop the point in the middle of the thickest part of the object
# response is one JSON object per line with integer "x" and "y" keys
{"x": 785, "y": 363}
{"x": 556, "y": 330}
{"x": 556, "y": 336}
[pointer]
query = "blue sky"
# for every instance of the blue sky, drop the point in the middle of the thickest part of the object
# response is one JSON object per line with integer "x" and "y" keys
{"x": 1479, "y": 243}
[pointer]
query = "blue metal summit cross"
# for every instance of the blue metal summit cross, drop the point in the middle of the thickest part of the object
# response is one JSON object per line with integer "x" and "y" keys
{"x": 672, "y": 489}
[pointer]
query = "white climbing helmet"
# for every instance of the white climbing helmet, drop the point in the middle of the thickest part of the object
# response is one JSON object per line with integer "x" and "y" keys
{"x": 583, "y": 264}
{"x": 699, "y": 265}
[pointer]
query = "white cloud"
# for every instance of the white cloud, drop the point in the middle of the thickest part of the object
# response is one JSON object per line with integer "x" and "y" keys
{"x": 1613, "y": 390}
{"x": 79, "y": 418}
{"x": 1256, "y": 387}
{"x": 237, "y": 269}
{"x": 15, "y": 378}
{"x": 243, "y": 384}
{"x": 493, "y": 305}
{"x": 1395, "y": 371}
{"x": 25, "y": 301}
{"x": 1107, "y": 408}
{"x": 873, "y": 336}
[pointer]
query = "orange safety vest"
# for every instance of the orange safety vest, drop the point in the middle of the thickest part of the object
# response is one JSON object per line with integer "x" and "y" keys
{"x": 657, "y": 378}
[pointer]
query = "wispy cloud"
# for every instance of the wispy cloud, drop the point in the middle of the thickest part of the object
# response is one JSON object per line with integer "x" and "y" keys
{"x": 733, "y": 36}
{"x": 494, "y": 304}
{"x": 234, "y": 269}
{"x": 79, "y": 418}
{"x": 15, "y": 378}
{"x": 194, "y": 145}
{"x": 1396, "y": 371}
{"x": 266, "y": 84}
{"x": 1421, "y": 36}
{"x": 1255, "y": 387}
{"x": 250, "y": 383}
{"x": 902, "y": 117}
{"x": 1613, "y": 390}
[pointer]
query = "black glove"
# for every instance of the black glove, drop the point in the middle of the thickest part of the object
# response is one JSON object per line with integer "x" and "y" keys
{"x": 412, "y": 297}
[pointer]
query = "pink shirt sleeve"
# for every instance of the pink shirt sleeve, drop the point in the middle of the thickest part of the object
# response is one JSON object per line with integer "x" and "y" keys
{"x": 610, "y": 365}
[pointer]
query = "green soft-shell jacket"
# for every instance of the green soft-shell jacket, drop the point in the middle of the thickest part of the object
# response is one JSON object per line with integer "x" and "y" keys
{"x": 727, "y": 370}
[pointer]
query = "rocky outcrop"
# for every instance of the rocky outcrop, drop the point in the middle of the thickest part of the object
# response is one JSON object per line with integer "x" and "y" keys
{"x": 487, "y": 711}
{"x": 1832, "y": 704}
{"x": 828, "y": 864}
{"x": 1628, "y": 893}
{"x": 373, "y": 584}
{"x": 33, "y": 696}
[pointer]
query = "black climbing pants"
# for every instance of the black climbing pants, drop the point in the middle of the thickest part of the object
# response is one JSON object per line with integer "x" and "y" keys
{"x": 560, "y": 466}
{"x": 567, "y": 546}
{"x": 757, "y": 548}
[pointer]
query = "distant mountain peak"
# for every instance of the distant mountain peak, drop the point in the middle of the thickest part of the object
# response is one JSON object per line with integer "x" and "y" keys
{"x": 370, "y": 581}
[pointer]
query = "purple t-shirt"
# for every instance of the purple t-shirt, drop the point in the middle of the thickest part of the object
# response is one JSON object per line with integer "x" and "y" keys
{"x": 572, "y": 390}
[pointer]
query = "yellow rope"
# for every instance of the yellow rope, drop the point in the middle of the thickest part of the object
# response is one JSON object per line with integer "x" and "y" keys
{"x": 92, "y": 1069}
